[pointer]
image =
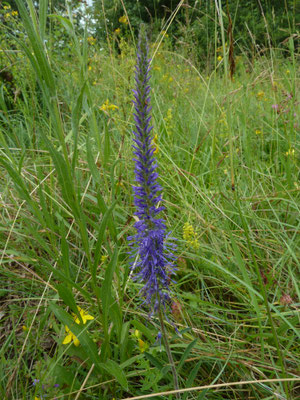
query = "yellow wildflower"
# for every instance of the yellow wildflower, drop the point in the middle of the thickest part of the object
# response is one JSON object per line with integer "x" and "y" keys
{"x": 7, "y": 15}
{"x": 89, "y": 68}
{"x": 170, "y": 79}
{"x": 143, "y": 346}
{"x": 164, "y": 33}
{"x": 91, "y": 40}
{"x": 7, "y": 7}
{"x": 190, "y": 236}
{"x": 104, "y": 258}
{"x": 220, "y": 58}
{"x": 123, "y": 20}
{"x": 290, "y": 152}
{"x": 169, "y": 121}
{"x": 117, "y": 31}
{"x": 106, "y": 106}
{"x": 260, "y": 94}
{"x": 70, "y": 336}
{"x": 24, "y": 327}
{"x": 84, "y": 315}
{"x": 137, "y": 334}
{"x": 287, "y": 71}
{"x": 258, "y": 132}
{"x": 14, "y": 13}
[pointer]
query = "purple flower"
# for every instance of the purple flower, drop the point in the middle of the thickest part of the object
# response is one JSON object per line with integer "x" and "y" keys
{"x": 152, "y": 258}
{"x": 275, "y": 106}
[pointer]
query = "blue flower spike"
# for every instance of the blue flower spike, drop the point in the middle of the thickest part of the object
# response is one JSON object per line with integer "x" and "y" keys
{"x": 152, "y": 258}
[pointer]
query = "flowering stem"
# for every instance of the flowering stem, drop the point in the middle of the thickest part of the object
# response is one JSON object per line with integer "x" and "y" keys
{"x": 168, "y": 350}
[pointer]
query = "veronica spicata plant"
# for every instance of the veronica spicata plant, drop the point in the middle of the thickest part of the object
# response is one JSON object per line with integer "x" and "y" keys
{"x": 152, "y": 262}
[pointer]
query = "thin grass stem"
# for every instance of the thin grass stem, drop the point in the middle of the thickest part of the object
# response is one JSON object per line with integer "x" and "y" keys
{"x": 168, "y": 350}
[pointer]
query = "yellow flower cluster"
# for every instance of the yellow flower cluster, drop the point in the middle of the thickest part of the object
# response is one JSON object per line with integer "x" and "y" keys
{"x": 156, "y": 68}
{"x": 106, "y": 106}
{"x": 8, "y": 15}
{"x": 70, "y": 336}
{"x": 168, "y": 78}
{"x": 290, "y": 152}
{"x": 261, "y": 95}
{"x": 190, "y": 236}
{"x": 104, "y": 257}
{"x": 258, "y": 132}
{"x": 143, "y": 346}
{"x": 123, "y": 20}
{"x": 91, "y": 40}
{"x": 169, "y": 122}
{"x": 223, "y": 119}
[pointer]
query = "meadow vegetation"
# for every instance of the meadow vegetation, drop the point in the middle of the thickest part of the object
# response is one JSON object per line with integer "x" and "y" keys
{"x": 72, "y": 322}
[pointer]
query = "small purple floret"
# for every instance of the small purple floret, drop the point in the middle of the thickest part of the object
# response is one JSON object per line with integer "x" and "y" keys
{"x": 152, "y": 258}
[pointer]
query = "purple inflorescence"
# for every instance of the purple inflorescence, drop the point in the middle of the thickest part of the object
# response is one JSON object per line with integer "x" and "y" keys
{"x": 152, "y": 257}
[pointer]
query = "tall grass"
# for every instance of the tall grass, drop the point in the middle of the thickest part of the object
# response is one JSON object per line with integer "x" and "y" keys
{"x": 67, "y": 209}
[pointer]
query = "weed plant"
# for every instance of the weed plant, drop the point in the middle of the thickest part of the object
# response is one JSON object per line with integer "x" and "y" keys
{"x": 73, "y": 324}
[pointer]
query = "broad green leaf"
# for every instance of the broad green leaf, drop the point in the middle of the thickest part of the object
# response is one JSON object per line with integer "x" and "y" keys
{"x": 114, "y": 369}
{"x": 186, "y": 354}
{"x": 106, "y": 219}
{"x": 67, "y": 296}
{"x": 141, "y": 327}
{"x": 43, "y": 17}
{"x": 154, "y": 361}
{"x": 106, "y": 295}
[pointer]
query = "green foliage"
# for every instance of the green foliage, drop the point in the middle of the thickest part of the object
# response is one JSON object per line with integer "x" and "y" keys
{"x": 255, "y": 24}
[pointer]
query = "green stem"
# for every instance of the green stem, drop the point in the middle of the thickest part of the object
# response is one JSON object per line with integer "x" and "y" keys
{"x": 168, "y": 350}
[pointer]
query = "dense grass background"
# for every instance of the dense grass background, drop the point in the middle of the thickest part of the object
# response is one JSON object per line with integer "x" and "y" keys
{"x": 228, "y": 154}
